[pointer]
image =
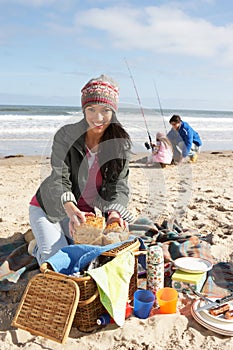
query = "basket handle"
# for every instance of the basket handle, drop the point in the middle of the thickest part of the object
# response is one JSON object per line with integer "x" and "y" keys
{"x": 90, "y": 300}
{"x": 44, "y": 269}
{"x": 140, "y": 252}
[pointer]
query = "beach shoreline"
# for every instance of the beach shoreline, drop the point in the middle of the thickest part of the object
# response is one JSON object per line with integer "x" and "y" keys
{"x": 29, "y": 130}
{"x": 199, "y": 196}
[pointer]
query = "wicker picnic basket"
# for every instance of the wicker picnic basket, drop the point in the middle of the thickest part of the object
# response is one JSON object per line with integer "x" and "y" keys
{"x": 89, "y": 307}
{"x": 48, "y": 307}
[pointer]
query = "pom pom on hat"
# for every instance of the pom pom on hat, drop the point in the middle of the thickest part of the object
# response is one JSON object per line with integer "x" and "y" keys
{"x": 102, "y": 90}
{"x": 160, "y": 135}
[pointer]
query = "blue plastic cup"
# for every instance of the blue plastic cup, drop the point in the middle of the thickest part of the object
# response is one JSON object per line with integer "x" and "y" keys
{"x": 143, "y": 303}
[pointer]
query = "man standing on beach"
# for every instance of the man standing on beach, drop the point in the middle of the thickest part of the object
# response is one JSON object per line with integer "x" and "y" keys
{"x": 185, "y": 140}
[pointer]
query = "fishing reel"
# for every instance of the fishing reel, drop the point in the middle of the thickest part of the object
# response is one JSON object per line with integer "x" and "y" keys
{"x": 147, "y": 145}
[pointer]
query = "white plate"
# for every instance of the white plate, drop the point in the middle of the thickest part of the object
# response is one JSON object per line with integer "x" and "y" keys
{"x": 193, "y": 265}
{"x": 214, "y": 325}
{"x": 219, "y": 318}
{"x": 210, "y": 327}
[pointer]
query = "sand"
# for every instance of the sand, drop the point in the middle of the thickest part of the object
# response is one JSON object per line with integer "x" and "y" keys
{"x": 198, "y": 195}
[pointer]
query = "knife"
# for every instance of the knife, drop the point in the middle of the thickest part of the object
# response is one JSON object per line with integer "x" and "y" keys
{"x": 217, "y": 302}
{"x": 200, "y": 295}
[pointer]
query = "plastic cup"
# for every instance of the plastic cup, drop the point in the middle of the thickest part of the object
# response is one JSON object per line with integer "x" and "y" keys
{"x": 143, "y": 303}
{"x": 167, "y": 300}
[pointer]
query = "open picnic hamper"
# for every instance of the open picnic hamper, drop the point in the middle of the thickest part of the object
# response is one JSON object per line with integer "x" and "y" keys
{"x": 48, "y": 306}
{"x": 82, "y": 308}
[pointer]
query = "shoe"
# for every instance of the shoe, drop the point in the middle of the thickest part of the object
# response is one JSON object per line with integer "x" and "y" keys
{"x": 28, "y": 236}
{"x": 31, "y": 246}
{"x": 193, "y": 158}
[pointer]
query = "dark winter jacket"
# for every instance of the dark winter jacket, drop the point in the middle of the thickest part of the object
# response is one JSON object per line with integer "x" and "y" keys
{"x": 70, "y": 172}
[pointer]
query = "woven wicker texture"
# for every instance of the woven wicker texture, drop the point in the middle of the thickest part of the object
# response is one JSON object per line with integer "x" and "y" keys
{"x": 89, "y": 307}
{"x": 132, "y": 246}
{"x": 48, "y": 307}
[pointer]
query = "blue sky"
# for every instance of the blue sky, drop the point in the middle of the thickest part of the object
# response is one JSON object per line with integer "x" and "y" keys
{"x": 51, "y": 48}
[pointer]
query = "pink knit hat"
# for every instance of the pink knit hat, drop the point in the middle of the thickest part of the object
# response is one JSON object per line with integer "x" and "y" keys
{"x": 160, "y": 135}
{"x": 102, "y": 90}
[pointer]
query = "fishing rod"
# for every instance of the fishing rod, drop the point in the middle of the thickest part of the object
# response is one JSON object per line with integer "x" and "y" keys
{"x": 160, "y": 107}
{"x": 140, "y": 105}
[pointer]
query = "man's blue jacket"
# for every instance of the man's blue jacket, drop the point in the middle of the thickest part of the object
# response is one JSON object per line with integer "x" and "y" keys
{"x": 189, "y": 136}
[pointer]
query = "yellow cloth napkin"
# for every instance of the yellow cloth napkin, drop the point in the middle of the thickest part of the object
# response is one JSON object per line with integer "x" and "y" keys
{"x": 113, "y": 280}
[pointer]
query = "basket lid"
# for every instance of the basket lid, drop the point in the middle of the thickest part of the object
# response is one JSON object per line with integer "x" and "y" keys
{"x": 48, "y": 307}
{"x": 132, "y": 245}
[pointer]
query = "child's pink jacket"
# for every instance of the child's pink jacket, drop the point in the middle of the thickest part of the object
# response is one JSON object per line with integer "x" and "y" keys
{"x": 163, "y": 155}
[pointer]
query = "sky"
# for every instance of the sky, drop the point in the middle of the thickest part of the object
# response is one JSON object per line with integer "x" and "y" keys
{"x": 182, "y": 49}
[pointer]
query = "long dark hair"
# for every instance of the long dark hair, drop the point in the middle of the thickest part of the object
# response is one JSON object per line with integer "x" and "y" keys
{"x": 113, "y": 147}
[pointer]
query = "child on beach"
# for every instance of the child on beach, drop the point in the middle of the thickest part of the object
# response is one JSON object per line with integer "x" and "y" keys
{"x": 90, "y": 167}
{"x": 161, "y": 152}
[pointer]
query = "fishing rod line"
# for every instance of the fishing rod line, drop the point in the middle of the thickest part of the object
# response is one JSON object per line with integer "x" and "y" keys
{"x": 139, "y": 101}
{"x": 160, "y": 106}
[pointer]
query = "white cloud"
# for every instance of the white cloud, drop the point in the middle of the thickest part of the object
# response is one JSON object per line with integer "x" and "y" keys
{"x": 159, "y": 29}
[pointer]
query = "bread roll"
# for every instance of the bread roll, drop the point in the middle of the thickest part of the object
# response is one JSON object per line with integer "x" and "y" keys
{"x": 114, "y": 227}
{"x": 114, "y": 233}
{"x": 90, "y": 232}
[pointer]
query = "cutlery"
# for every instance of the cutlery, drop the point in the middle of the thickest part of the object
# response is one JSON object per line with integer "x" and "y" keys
{"x": 217, "y": 302}
{"x": 200, "y": 295}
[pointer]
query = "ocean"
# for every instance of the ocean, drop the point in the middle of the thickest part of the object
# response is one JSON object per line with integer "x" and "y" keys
{"x": 29, "y": 130}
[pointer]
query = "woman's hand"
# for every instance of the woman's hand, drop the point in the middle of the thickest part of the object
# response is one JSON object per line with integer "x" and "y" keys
{"x": 76, "y": 217}
{"x": 114, "y": 216}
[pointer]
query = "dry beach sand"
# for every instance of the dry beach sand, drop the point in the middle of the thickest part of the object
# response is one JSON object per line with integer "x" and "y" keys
{"x": 198, "y": 195}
